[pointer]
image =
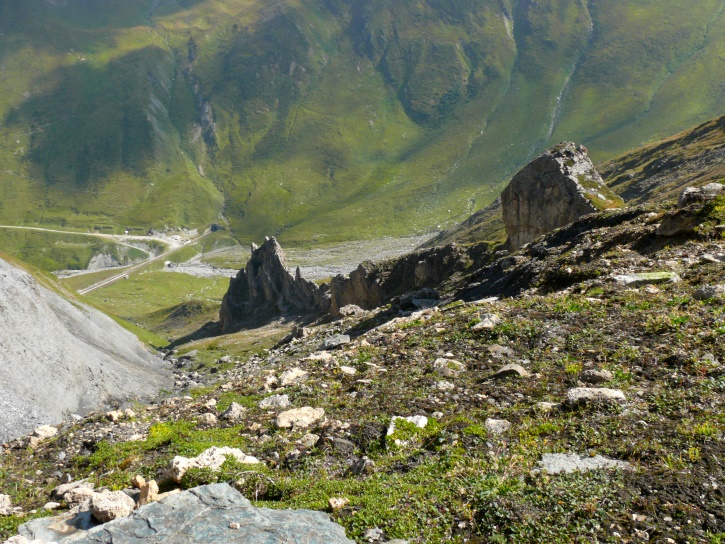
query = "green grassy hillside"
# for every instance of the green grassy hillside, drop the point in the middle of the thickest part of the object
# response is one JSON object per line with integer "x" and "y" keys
{"x": 319, "y": 121}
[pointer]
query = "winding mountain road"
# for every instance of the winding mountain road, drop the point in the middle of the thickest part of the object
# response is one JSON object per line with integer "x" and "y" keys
{"x": 172, "y": 246}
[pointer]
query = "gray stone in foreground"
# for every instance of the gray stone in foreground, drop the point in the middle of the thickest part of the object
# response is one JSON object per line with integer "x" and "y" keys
{"x": 336, "y": 341}
{"x": 554, "y": 463}
{"x": 204, "y": 514}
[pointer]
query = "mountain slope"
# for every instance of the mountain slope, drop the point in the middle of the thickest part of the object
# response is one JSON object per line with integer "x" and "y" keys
{"x": 328, "y": 120}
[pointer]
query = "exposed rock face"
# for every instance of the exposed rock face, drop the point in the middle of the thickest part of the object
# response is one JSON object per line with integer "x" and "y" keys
{"x": 266, "y": 289}
{"x": 372, "y": 285}
{"x": 555, "y": 189}
{"x": 213, "y": 514}
{"x": 57, "y": 357}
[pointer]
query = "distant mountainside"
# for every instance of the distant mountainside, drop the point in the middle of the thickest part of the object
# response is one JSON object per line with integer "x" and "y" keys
{"x": 324, "y": 120}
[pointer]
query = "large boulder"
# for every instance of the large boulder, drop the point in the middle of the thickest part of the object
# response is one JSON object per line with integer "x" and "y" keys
{"x": 58, "y": 357}
{"x": 265, "y": 289}
{"x": 213, "y": 514}
{"x": 555, "y": 189}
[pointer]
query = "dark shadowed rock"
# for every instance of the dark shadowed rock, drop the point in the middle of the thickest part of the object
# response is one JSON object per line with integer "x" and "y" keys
{"x": 555, "y": 189}
{"x": 213, "y": 514}
{"x": 372, "y": 285}
{"x": 265, "y": 289}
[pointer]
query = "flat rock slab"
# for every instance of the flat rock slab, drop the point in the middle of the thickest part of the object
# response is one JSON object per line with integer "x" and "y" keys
{"x": 336, "y": 341}
{"x": 554, "y": 463}
{"x": 648, "y": 278}
{"x": 206, "y": 515}
{"x": 594, "y": 394}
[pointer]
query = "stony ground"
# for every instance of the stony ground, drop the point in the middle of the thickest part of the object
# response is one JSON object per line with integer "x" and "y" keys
{"x": 603, "y": 372}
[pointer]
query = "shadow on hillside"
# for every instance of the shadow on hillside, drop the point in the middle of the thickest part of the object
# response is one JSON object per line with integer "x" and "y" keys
{"x": 208, "y": 330}
{"x": 94, "y": 122}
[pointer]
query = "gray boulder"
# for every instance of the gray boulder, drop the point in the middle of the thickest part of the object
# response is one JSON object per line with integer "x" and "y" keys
{"x": 699, "y": 195}
{"x": 60, "y": 357}
{"x": 555, "y": 189}
{"x": 213, "y": 514}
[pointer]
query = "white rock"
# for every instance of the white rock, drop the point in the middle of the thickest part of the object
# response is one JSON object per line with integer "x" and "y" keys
{"x": 208, "y": 419}
{"x": 488, "y": 322}
{"x": 275, "y": 401}
{"x": 497, "y": 426}
{"x": 512, "y": 370}
{"x": 418, "y": 421}
{"x": 320, "y": 356}
{"x": 60, "y": 493}
{"x": 212, "y": 458}
{"x": 5, "y": 505}
{"x": 45, "y": 431}
{"x": 444, "y": 386}
{"x": 350, "y": 371}
{"x": 51, "y": 505}
{"x": 593, "y": 394}
{"x": 111, "y": 505}
{"x": 309, "y": 440}
{"x": 292, "y": 376}
{"x": 300, "y": 417}
{"x": 555, "y": 463}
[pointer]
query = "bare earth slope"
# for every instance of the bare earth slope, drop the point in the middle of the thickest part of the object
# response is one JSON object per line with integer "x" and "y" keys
{"x": 57, "y": 357}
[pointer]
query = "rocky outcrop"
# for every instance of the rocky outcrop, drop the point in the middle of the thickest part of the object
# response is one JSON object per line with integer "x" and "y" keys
{"x": 372, "y": 285}
{"x": 213, "y": 514}
{"x": 555, "y": 189}
{"x": 265, "y": 289}
{"x": 58, "y": 357}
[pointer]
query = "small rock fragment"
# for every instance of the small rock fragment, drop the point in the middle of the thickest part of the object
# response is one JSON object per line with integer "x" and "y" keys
{"x": 488, "y": 322}
{"x": 511, "y": 371}
{"x": 234, "y": 413}
{"x": 554, "y": 463}
{"x": 647, "y": 278}
{"x": 590, "y": 394}
{"x": 45, "y": 431}
{"x": 5, "y": 505}
{"x": 497, "y": 426}
{"x": 448, "y": 368}
{"x": 275, "y": 401}
{"x": 292, "y": 376}
{"x": 348, "y": 370}
{"x": 596, "y": 376}
{"x": 338, "y": 503}
{"x": 208, "y": 419}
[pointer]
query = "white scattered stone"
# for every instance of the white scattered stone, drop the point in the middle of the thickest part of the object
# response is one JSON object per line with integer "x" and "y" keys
{"x": 45, "y": 431}
{"x": 212, "y": 458}
{"x": 320, "y": 356}
{"x": 130, "y": 414}
{"x": 444, "y": 386}
{"x": 275, "y": 401}
{"x": 111, "y": 505}
{"x": 554, "y": 463}
{"x": 234, "y": 413}
{"x": 210, "y": 404}
{"x": 61, "y": 492}
{"x": 647, "y": 278}
{"x": 292, "y": 376}
{"x": 418, "y": 421}
{"x": 6, "y": 507}
{"x": 592, "y": 394}
{"x": 52, "y": 505}
{"x": 338, "y": 503}
{"x": 114, "y": 415}
{"x": 448, "y": 368}
{"x": 350, "y": 371}
{"x": 208, "y": 419}
{"x": 488, "y": 322}
{"x": 300, "y": 417}
{"x": 497, "y": 426}
{"x": 547, "y": 407}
